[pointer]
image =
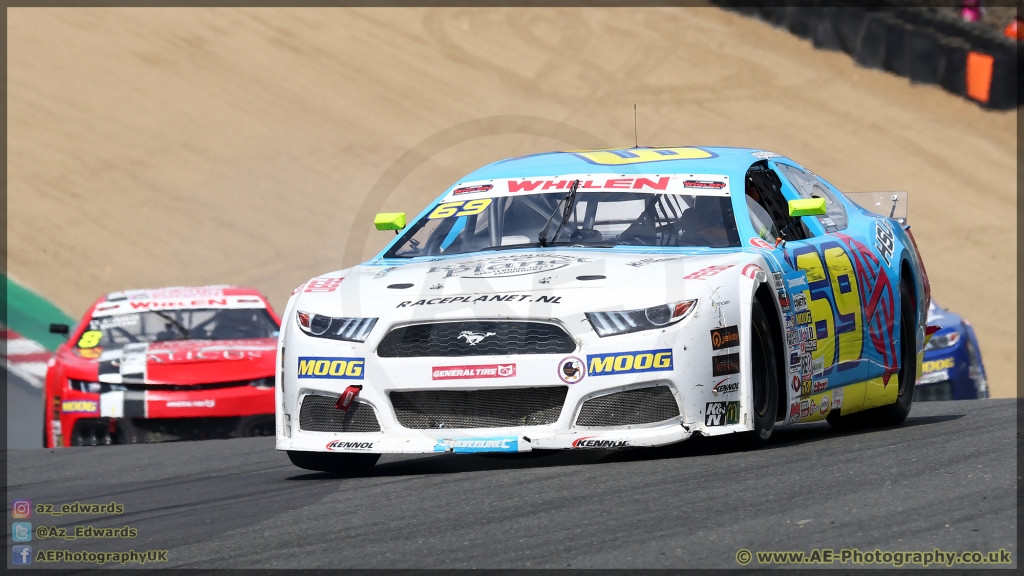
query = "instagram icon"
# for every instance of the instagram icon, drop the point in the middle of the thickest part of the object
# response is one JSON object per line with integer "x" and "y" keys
{"x": 21, "y": 509}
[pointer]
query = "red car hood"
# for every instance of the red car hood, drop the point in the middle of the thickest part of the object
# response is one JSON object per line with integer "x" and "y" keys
{"x": 189, "y": 362}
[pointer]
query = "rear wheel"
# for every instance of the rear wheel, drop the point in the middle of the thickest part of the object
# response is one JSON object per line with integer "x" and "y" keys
{"x": 338, "y": 464}
{"x": 894, "y": 414}
{"x": 764, "y": 375}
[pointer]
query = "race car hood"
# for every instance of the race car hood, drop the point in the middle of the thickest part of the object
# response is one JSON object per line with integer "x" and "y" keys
{"x": 541, "y": 284}
{"x": 187, "y": 362}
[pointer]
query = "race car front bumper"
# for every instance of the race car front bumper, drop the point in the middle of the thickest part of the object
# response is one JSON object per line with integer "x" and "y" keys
{"x": 128, "y": 416}
{"x": 623, "y": 381}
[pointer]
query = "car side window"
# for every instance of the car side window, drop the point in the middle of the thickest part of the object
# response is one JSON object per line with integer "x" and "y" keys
{"x": 762, "y": 185}
{"x": 808, "y": 185}
{"x": 761, "y": 221}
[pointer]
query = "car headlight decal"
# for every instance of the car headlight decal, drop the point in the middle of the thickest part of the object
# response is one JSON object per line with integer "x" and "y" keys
{"x": 939, "y": 341}
{"x": 612, "y": 323}
{"x": 346, "y": 329}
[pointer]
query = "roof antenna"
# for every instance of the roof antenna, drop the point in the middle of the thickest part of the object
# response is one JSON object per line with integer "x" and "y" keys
{"x": 636, "y": 141}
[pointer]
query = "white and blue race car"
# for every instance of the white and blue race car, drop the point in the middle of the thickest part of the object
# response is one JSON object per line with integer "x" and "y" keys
{"x": 606, "y": 299}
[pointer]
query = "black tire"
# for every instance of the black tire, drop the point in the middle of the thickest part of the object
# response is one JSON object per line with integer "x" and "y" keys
{"x": 252, "y": 426}
{"x": 764, "y": 376}
{"x": 894, "y": 414}
{"x": 337, "y": 464}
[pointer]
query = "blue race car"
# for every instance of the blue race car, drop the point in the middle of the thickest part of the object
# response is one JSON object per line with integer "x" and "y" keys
{"x": 952, "y": 368}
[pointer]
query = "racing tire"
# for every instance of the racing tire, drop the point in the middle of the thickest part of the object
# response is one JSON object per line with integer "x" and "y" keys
{"x": 764, "y": 375}
{"x": 336, "y": 464}
{"x": 894, "y": 414}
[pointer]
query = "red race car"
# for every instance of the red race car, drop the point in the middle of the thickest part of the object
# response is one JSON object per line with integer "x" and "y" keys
{"x": 167, "y": 364}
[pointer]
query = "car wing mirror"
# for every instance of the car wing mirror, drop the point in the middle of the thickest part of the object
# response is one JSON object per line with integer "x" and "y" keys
{"x": 389, "y": 221}
{"x": 807, "y": 207}
{"x": 61, "y": 329}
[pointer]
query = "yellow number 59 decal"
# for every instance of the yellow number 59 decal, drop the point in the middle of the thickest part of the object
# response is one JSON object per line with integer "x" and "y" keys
{"x": 450, "y": 209}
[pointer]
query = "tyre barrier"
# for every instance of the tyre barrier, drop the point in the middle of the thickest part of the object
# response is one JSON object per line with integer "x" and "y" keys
{"x": 925, "y": 45}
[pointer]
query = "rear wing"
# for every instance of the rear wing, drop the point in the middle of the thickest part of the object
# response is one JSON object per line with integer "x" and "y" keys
{"x": 888, "y": 204}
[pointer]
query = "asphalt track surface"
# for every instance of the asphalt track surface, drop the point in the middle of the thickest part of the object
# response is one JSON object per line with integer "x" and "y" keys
{"x": 24, "y": 414}
{"x": 946, "y": 479}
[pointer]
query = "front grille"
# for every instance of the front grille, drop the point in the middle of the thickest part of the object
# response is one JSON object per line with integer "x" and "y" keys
{"x": 318, "y": 414}
{"x": 475, "y": 338}
{"x": 638, "y": 406}
{"x": 496, "y": 408}
{"x": 938, "y": 391}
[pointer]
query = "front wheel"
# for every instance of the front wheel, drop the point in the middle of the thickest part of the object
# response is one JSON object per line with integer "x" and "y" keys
{"x": 338, "y": 464}
{"x": 764, "y": 375}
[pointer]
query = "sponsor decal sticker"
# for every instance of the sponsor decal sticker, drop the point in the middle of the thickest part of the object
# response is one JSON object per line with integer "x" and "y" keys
{"x": 571, "y": 370}
{"x": 725, "y": 386}
{"x": 629, "y": 362}
{"x": 725, "y": 337}
{"x": 759, "y": 243}
{"x": 342, "y": 445}
{"x": 706, "y": 272}
{"x": 470, "y": 445}
{"x": 473, "y": 189}
{"x": 819, "y": 385}
{"x": 323, "y": 284}
{"x": 764, "y": 154}
{"x": 333, "y": 368}
{"x": 732, "y": 413}
{"x": 80, "y": 407}
{"x": 936, "y": 365}
{"x": 191, "y": 403}
{"x": 799, "y": 302}
{"x": 475, "y": 371}
{"x": 474, "y": 298}
{"x": 803, "y": 319}
{"x": 646, "y": 261}
{"x": 502, "y": 266}
{"x": 823, "y": 408}
{"x": 707, "y": 184}
{"x": 593, "y": 442}
{"x": 795, "y": 383}
{"x": 714, "y": 414}
{"x": 751, "y": 271}
{"x": 721, "y": 413}
{"x": 725, "y": 364}
{"x": 885, "y": 242}
{"x": 783, "y": 299}
{"x": 806, "y": 408}
{"x": 837, "y": 398}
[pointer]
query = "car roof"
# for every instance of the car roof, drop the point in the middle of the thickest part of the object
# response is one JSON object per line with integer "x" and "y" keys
{"x": 641, "y": 160}
{"x": 182, "y": 292}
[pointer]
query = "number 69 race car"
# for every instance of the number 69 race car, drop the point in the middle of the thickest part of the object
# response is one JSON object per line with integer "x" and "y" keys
{"x": 606, "y": 299}
{"x": 168, "y": 364}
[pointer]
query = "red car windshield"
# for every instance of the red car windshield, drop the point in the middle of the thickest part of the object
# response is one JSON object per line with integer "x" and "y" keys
{"x": 112, "y": 332}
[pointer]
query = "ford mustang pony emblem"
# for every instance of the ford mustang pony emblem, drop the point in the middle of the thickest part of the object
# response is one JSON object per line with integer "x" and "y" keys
{"x": 474, "y": 338}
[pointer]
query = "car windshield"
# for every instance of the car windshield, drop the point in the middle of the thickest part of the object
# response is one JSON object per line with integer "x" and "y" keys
{"x": 112, "y": 332}
{"x": 598, "y": 219}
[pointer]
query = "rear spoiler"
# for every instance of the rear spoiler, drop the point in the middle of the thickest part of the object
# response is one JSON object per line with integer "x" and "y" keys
{"x": 888, "y": 204}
